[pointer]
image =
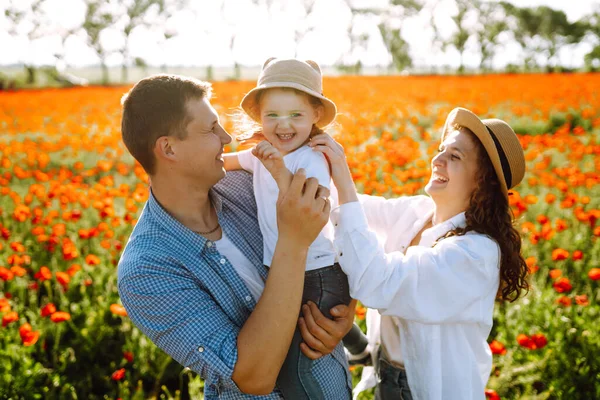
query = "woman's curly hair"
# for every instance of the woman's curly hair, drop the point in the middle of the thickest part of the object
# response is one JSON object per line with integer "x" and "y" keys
{"x": 489, "y": 213}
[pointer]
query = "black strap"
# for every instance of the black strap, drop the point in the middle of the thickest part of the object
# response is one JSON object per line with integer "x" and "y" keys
{"x": 503, "y": 160}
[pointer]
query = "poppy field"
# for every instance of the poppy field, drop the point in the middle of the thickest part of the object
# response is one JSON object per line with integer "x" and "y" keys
{"x": 70, "y": 195}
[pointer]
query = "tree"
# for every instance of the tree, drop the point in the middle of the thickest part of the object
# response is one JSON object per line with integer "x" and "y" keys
{"x": 461, "y": 36}
{"x": 491, "y": 24}
{"x": 591, "y": 25}
{"x": 98, "y": 17}
{"x": 523, "y": 23}
{"x": 147, "y": 13}
{"x": 556, "y": 32}
{"x": 29, "y": 21}
{"x": 389, "y": 19}
{"x": 134, "y": 13}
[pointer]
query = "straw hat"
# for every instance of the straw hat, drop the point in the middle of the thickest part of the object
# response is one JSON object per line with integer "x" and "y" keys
{"x": 500, "y": 142}
{"x": 291, "y": 73}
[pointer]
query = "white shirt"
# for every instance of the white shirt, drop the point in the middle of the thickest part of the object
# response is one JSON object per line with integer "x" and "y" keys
{"x": 321, "y": 252}
{"x": 245, "y": 269}
{"x": 442, "y": 296}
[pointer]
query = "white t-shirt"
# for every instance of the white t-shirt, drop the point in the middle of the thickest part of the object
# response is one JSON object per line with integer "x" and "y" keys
{"x": 321, "y": 252}
{"x": 245, "y": 269}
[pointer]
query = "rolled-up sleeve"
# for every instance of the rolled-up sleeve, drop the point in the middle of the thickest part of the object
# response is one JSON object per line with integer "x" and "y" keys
{"x": 183, "y": 320}
{"x": 444, "y": 283}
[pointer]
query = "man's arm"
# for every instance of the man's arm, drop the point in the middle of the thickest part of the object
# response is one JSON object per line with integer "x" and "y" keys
{"x": 264, "y": 340}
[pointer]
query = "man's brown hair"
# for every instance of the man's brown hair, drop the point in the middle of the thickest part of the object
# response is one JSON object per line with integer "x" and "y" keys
{"x": 155, "y": 107}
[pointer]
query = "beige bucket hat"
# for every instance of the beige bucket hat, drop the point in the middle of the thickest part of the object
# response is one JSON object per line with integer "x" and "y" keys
{"x": 290, "y": 73}
{"x": 500, "y": 142}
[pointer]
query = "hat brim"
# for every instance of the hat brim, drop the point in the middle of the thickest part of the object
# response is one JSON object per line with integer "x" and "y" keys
{"x": 466, "y": 118}
{"x": 249, "y": 105}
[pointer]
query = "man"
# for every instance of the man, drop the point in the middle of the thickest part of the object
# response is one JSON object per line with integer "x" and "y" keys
{"x": 191, "y": 276}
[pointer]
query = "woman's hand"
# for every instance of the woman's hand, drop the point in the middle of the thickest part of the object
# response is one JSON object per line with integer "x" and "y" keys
{"x": 340, "y": 173}
{"x": 320, "y": 334}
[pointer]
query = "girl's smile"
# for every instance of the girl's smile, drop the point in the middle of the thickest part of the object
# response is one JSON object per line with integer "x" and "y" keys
{"x": 287, "y": 118}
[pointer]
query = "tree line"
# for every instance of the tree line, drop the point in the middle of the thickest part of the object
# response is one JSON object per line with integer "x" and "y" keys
{"x": 541, "y": 32}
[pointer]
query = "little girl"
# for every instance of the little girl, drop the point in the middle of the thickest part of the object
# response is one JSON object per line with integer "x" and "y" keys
{"x": 289, "y": 104}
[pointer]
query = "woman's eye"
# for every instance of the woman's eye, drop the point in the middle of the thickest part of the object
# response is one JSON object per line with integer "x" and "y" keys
{"x": 455, "y": 157}
{"x": 295, "y": 115}
{"x": 271, "y": 115}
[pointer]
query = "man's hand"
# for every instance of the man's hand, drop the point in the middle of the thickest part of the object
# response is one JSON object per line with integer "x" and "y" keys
{"x": 302, "y": 211}
{"x": 321, "y": 335}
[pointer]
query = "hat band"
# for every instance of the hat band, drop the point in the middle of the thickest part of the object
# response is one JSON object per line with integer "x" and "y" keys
{"x": 503, "y": 160}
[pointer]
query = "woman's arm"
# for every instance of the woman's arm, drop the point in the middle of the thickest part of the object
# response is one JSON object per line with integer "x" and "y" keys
{"x": 444, "y": 283}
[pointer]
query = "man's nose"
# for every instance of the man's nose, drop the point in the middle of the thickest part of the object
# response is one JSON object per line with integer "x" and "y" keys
{"x": 225, "y": 136}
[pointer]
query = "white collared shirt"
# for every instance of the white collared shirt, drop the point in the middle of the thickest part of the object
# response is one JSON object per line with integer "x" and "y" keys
{"x": 441, "y": 297}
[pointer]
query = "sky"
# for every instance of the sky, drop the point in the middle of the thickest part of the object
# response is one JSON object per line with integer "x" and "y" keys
{"x": 204, "y": 34}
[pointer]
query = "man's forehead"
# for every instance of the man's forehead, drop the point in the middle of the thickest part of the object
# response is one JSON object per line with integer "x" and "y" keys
{"x": 202, "y": 111}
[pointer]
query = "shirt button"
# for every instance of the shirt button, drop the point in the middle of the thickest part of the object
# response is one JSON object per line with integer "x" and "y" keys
{"x": 200, "y": 349}
{"x": 209, "y": 244}
{"x": 222, "y": 261}
{"x": 341, "y": 254}
{"x": 248, "y": 298}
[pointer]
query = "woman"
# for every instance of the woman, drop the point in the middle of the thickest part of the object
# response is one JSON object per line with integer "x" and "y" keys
{"x": 433, "y": 266}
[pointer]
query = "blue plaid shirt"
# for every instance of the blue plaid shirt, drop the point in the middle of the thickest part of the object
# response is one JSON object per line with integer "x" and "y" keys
{"x": 189, "y": 300}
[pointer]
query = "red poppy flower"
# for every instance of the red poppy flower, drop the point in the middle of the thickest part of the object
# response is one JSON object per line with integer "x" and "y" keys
{"x": 118, "y": 374}
{"x": 491, "y": 394}
{"x": 9, "y": 317}
{"x": 60, "y": 316}
{"x": 497, "y": 347}
{"x": 118, "y": 310}
{"x": 48, "y": 309}
{"x": 29, "y": 337}
{"x": 594, "y": 274}
{"x": 559, "y": 254}
{"x": 582, "y": 300}
{"x": 128, "y": 355}
{"x": 564, "y": 300}
{"x": 43, "y": 274}
{"x": 562, "y": 285}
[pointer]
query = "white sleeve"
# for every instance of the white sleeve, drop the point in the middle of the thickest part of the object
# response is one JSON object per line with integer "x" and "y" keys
{"x": 382, "y": 213}
{"x": 247, "y": 160}
{"x": 444, "y": 283}
{"x": 316, "y": 166}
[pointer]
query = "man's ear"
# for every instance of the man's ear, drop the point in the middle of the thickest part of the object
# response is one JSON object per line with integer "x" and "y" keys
{"x": 163, "y": 148}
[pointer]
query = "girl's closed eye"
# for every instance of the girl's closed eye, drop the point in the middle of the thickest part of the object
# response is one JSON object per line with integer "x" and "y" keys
{"x": 455, "y": 157}
{"x": 294, "y": 115}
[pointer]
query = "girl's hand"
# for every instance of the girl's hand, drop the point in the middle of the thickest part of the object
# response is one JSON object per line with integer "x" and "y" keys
{"x": 340, "y": 173}
{"x": 272, "y": 159}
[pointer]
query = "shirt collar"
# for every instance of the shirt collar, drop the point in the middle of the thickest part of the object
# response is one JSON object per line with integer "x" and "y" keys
{"x": 429, "y": 236}
{"x": 176, "y": 228}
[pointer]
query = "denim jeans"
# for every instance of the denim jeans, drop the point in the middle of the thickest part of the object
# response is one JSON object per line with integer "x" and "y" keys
{"x": 393, "y": 383}
{"x": 326, "y": 287}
